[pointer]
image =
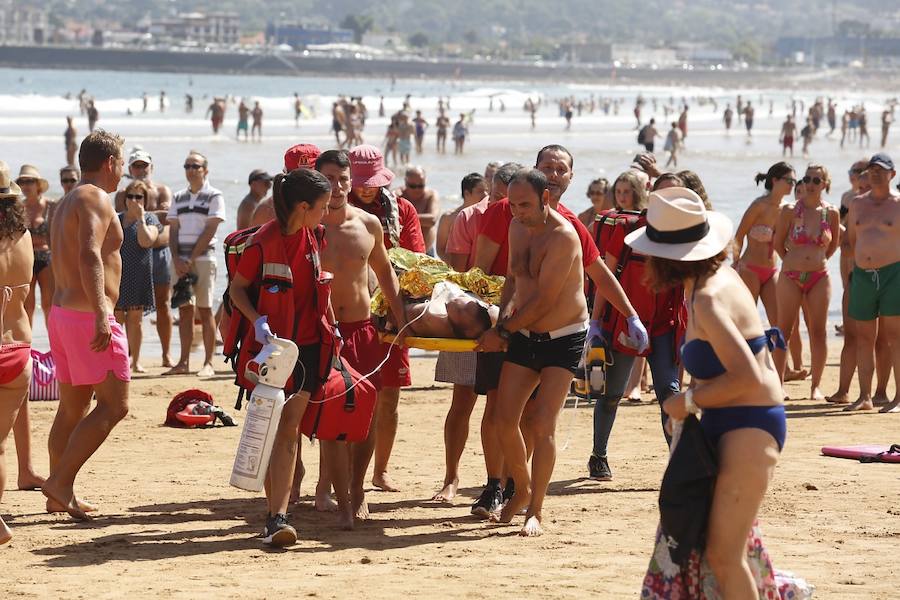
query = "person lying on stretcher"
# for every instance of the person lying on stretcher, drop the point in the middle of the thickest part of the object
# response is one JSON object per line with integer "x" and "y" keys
{"x": 451, "y": 312}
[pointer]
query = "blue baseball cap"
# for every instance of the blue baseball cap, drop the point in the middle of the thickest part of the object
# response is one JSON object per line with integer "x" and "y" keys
{"x": 882, "y": 160}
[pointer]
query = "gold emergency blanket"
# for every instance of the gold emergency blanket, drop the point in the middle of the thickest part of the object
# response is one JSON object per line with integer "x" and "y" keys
{"x": 418, "y": 274}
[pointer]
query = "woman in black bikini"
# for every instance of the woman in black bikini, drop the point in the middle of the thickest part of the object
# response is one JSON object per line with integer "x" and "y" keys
{"x": 38, "y": 211}
{"x": 734, "y": 379}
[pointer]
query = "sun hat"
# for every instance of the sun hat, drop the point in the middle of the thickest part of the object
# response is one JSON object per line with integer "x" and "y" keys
{"x": 138, "y": 154}
{"x": 301, "y": 156}
{"x": 367, "y": 167}
{"x": 680, "y": 228}
{"x": 8, "y": 187}
{"x": 31, "y": 172}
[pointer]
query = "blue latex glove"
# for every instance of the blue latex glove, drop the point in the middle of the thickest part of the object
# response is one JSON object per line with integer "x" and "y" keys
{"x": 638, "y": 333}
{"x": 595, "y": 333}
{"x": 262, "y": 330}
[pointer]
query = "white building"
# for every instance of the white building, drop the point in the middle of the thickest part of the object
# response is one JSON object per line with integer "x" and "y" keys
{"x": 210, "y": 28}
{"x": 22, "y": 25}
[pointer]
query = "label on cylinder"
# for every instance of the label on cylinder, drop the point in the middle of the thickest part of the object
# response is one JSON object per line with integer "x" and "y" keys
{"x": 253, "y": 438}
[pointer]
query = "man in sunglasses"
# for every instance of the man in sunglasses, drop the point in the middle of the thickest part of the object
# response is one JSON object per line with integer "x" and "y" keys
{"x": 194, "y": 216}
{"x": 874, "y": 227}
{"x": 68, "y": 178}
{"x": 426, "y": 202}
{"x": 140, "y": 168}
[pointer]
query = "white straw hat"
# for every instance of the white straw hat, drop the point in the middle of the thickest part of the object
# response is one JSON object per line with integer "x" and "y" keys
{"x": 680, "y": 228}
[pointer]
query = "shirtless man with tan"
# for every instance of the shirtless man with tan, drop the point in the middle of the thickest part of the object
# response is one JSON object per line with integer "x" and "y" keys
{"x": 89, "y": 347}
{"x": 873, "y": 224}
{"x": 426, "y": 202}
{"x": 543, "y": 327}
{"x": 355, "y": 245}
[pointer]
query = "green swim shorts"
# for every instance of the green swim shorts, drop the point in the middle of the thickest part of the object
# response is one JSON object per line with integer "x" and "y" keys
{"x": 875, "y": 292}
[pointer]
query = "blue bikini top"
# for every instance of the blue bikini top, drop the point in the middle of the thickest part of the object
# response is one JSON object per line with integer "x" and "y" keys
{"x": 700, "y": 360}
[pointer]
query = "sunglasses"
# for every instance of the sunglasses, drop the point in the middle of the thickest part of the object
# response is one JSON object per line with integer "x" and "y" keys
{"x": 26, "y": 181}
{"x": 134, "y": 196}
{"x": 68, "y": 181}
{"x": 415, "y": 186}
{"x": 813, "y": 180}
{"x": 192, "y": 167}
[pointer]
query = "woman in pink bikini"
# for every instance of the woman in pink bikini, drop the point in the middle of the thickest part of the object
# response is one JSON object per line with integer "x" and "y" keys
{"x": 16, "y": 261}
{"x": 807, "y": 234}
{"x": 758, "y": 266}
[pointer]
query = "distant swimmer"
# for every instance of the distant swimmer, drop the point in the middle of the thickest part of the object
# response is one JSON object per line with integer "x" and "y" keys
{"x": 886, "y": 120}
{"x": 216, "y": 113}
{"x": 298, "y": 109}
{"x": 70, "y": 136}
{"x": 256, "y": 128}
{"x": 421, "y": 125}
{"x": 162, "y": 101}
{"x": 788, "y": 133}
{"x": 188, "y": 103}
{"x": 90, "y": 349}
{"x": 460, "y": 133}
{"x": 442, "y": 124}
{"x": 144, "y": 100}
{"x": 243, "y": 121}
{"x": 93, "y": 115}
{"x": 748, "y": 118}
{"x": 727, "y": 117}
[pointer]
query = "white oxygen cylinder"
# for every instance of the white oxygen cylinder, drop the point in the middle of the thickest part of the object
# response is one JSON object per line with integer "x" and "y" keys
{"x": 271, "y": 369}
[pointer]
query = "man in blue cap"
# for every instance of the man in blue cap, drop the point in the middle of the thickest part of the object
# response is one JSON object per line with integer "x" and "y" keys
{"x": 874, "y": 228}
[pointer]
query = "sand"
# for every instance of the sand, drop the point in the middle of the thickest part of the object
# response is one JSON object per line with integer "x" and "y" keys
{"x": 171, "y": 526}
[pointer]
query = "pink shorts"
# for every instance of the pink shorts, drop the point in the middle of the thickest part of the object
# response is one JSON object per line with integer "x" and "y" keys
{"x": 71, "y": 332}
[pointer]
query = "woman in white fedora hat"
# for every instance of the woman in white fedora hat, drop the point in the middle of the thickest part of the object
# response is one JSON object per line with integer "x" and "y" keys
{"x": 38, "y": 211}
{"x": 735, "y": 384}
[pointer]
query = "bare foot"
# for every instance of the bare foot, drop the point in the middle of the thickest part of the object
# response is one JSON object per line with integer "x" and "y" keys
{"x": 532, "y": 527}
{"x": 893, "y": 407}
{"x": 206, "y": 371}
{"x": 55, "y": 507}
{"x": 839, "y": 398}
{"x": 383, "y": 482}
{"x": 136, "y": 368}
{"x": 166, "y": 361}
{"x": 179, "y": 369}
{"x": 816, "y": 395}
{"x": 5, "y": 533}
{"x": 880, "y": 398}
{"x": 861, "y": 404}
{"x": 30, "y": 481}
{"x": 359, "y": 504}
{"x": 512, "y": 508}
{"x": 448, "y": 493}
{"x": 345, "y": 519}
{"x": 791, "y": 375}
{"x": 71, "y": 506}
{"x": 324, "y": 501}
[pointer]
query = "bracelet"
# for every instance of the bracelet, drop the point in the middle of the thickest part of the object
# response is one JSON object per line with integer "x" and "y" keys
{"x": 689, "y": 405}
{"x": 503, "y": 332}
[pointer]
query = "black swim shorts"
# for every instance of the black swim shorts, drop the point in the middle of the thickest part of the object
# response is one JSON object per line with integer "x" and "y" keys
{"x": 487, "y": 371}
{"x": 536, "y": 352}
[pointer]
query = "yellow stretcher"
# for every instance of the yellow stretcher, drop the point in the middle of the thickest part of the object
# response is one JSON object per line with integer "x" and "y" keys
{"x": 437, "y": 344}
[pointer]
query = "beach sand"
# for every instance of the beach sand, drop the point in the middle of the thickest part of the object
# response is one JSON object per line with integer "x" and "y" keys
{"x": 170, "y": 526}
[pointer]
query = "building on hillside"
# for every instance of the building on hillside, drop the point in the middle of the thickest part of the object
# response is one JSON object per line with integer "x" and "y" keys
{"x": 23, "y": 25}
{"x": 839, "y": 50}
{"x": 200, "y": 28}
{"x": 640, "y": 55}
{"x": 301, "y": 35}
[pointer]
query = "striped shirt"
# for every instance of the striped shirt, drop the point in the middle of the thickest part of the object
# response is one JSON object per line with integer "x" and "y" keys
{"x": 192, "y": 211}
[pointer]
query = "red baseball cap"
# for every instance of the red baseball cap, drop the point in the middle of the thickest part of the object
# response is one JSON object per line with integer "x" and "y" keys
{"x": 367, "y": 167}
{"x": 301, "y": 156}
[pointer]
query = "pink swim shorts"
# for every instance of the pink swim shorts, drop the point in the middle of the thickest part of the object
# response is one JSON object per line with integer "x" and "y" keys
{"x": 71, "y": 332}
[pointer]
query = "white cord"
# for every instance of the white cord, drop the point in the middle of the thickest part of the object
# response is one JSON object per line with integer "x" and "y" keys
{"x": 376, "y": 369}
{"x": 571, "y": 426}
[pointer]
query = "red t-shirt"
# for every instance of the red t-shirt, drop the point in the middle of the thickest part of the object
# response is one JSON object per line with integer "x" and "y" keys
{"x": 302, "y": 251}
{"x": 495, "y": 226}
{"x": 410, "y": 229}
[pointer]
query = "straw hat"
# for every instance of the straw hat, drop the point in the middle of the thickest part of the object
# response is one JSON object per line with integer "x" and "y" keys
{"x": 31, "y": 172}
{"x": 8, "y": 188}
{"x": 680, "y": 228}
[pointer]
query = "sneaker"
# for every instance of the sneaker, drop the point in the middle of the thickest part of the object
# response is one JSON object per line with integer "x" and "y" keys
{"x": 278, "y": 532}
{"x": 490, "y": 501}
{"x": 598, "y": 467}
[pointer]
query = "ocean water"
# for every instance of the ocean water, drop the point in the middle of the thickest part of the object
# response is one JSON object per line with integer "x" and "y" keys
{"x": 33, "y": 110}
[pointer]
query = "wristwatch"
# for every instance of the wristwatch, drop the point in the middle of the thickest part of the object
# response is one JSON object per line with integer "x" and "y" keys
{"x": 503, "y": 332}
{"x": 689, "y": 405}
